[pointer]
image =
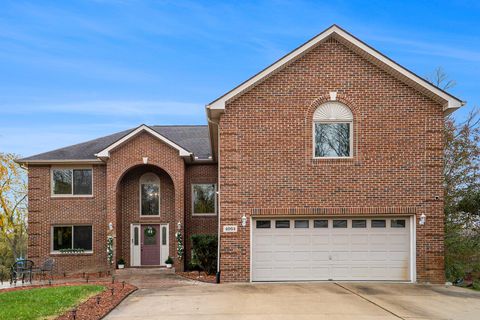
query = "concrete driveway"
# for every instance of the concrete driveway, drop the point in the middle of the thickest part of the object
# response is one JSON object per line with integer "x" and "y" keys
{"x": 325, "y": 300}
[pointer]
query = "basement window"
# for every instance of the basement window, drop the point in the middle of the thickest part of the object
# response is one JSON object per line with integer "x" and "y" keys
{"x": 72, "y": 182}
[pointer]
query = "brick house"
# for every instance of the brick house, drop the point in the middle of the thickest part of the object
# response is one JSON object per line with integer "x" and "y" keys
{"x": 325, "y": 165}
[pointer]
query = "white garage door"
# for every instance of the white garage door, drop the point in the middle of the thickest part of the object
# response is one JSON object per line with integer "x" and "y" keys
{"x": 331, "y": 249}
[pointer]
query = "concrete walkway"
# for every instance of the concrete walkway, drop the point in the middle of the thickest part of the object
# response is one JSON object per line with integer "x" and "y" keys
{"x": 323, "y": 300}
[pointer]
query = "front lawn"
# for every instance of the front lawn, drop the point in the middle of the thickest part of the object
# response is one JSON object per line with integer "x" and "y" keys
{"x": 43, "y": 302}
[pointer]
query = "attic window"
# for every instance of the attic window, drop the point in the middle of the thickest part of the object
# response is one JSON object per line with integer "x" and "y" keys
{"x": 332, "y": 131}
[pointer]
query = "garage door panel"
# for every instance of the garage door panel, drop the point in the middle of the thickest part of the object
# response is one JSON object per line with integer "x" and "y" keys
{"x": 359, "y": 255}
{"x": 282, "y": 240}
{"x": 263, "y": 239}
{"x": 320, "y": 239}
{"x": 359, "y": 239}
{"x": 363, "y": 253}
{"x": 320, "y": 255}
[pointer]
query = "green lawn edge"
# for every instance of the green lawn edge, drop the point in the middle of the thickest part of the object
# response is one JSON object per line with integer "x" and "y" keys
{"x": 41, "y": 303}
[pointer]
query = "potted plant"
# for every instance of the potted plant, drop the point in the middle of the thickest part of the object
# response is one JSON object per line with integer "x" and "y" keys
{"x": 169, "y": 262}
{"x": 121, "y": 263}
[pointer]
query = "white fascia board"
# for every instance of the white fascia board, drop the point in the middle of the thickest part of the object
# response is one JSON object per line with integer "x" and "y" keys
{"x": 451, "y": 102}
{"x": 63, "y": 161}
{"x": 105, "y": 153}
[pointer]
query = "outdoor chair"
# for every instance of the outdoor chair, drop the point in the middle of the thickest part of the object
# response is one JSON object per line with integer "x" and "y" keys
{"x": 45, "y": 269}
{"x": 20, "y": 269}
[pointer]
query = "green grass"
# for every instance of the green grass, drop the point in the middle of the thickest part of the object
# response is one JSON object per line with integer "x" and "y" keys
{"x": 43, "y": 303}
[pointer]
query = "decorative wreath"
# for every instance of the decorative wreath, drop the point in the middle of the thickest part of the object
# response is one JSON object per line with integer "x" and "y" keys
{"x": 150, "y": 231}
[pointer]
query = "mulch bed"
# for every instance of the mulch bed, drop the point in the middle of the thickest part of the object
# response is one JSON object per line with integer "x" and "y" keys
{"x": 198, "y": 276}
{"x": 96, "y": 307}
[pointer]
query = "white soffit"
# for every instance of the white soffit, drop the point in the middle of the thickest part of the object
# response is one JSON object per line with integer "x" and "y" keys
{"x": 105, "y": 153}
{"x": 448, "y": 101}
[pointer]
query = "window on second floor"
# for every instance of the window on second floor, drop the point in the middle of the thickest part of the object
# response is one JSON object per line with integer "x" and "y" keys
{"x": 149, "y": 195}
{"x": 204, "y": 199}
{"x": 72, "y": 182}
{"x": 333, "y": 131}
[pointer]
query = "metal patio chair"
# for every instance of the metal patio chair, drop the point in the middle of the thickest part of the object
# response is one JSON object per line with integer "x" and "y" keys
{"x": 20, "y": 270}
{"x": 45, "y": 269}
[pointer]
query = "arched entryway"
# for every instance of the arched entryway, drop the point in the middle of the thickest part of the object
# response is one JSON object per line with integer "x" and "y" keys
{"x": 145, "y": 216}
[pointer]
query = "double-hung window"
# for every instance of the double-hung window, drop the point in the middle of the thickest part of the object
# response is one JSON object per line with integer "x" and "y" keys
{"x": 332, "y": 131}
{"x": 72, "y": 182}
{"x": 204, "y": 199}
{"x": 67, "y": 238}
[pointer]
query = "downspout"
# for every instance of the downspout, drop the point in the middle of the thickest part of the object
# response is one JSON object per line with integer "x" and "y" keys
{"x": 218, "y": 195}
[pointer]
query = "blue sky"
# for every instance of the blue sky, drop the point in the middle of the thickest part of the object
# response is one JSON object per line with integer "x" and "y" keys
{"x": 71, "y": 71}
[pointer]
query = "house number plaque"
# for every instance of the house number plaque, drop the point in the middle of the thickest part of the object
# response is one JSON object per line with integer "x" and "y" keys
{"x": 229, "y": 229}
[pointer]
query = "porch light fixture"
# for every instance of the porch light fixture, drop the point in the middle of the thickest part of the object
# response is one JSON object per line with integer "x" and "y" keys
{"x": 179, "y": 225}
{"x": 110, "y": 226}
{"x": 145, "y": 160}
{"x": 244, "y": 220}
{"x": 423, "y": 219}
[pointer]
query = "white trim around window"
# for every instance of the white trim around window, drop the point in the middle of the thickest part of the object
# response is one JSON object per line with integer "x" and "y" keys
{"x": 193, "y": 200}
{"x": 69, "y": 195}
{"x": 333, "y": 112}
{"x": 52, "y": 251}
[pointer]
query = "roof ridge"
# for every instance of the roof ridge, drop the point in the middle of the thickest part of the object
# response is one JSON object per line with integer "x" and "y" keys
{"x": 178, "y": 125}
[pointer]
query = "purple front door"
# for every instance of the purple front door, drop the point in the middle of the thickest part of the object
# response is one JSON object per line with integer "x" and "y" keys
{"x": 150, "y": 246}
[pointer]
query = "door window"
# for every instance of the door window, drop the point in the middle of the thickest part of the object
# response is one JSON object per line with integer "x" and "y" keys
{"x": 150, "y": 236}
{"x": 339, "y": 223}
{"x": 135, "y": 236}
{"x": 282, "y": 224}
{"x": 164, "y": 236}
{"x": 379, "y": 223}
{"x": 301, "y": 223}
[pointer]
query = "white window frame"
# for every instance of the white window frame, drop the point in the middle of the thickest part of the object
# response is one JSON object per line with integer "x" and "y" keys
{"x": 333, "y": 121}
{"x": 69, "y": 195}
{"x": 141, "y": 181}
{"x": 350, "y": 124}
{"x": 193, "y": 200}
{"x": 73, "y": 235}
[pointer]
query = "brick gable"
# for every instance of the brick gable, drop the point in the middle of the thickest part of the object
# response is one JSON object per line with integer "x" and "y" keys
{"x": 266, "y": 156}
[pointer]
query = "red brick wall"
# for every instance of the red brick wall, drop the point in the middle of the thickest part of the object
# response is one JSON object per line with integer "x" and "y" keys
{"x": 266, "y": 154}
{"x": 129, "y": 156}
{"x": 45, "y": 211}
{"x": 198, "y": 224}
{"x": 129, "y": 207}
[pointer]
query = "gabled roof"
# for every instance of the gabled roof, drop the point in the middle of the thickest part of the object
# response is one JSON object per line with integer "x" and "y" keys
{"x": 449, "y": 102}
{"x": 105, "y": 153}
{"x": 187, "y": 139}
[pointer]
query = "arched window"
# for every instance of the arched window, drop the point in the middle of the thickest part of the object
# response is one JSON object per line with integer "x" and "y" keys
{"x": 149, "y": 195}
{"x": 332, "y": 131}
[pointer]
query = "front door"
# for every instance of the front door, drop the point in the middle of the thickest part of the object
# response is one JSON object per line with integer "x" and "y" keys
{"x": 150, "y": 247}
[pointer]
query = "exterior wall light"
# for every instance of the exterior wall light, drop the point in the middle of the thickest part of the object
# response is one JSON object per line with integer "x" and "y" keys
{"x": 244, "y": 221}
{"x": 179, "y": 225}
{"x": 145, "y": 160}
{"x": 110, "y": 226}
{"x": 423, "y": 219}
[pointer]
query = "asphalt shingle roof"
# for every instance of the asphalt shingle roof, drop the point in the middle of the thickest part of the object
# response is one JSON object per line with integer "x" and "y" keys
{"x": 192, "y": 138}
